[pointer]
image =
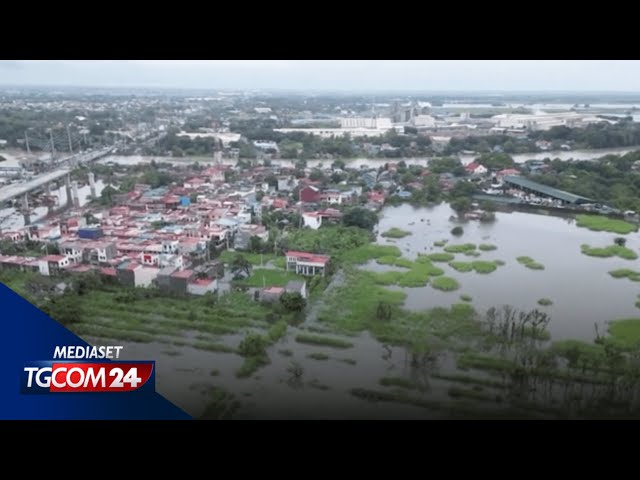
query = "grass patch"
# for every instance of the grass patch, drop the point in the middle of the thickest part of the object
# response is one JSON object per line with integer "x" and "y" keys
{"x": 465, "y": 298}
{"x": 545, "y": 302}
{"x": 467, "y": 379}
{"x": 400, "y": 382}
{"x": 440, "y": 243}
{"x": 600, "y": 223}
{"x": 530, "y": 263}
{"x": 625, "y": 333}
{"x": 626, "y": 273}
{"x": 396, "y": 233}
{"x": 324, "y": 341}
{"x": 446, "y": 284}
{"x": 440, "y": 257}
{"x": 395, "y": 261}
{"x": 268, "y": 277}
{"x": 472, "y": 253}
{"x": 460, "y": 248}
{"x": 277, "y": 331}
{"x": 250, "y": 365}
{"x": 386, "y": 278}
{"x": 481, "y": 266}
{"x": 228, "y": 257}
{"x": 610, "y": 251}
{"x": 487, "y": 247}
{"x": 500, "y": 263}
{"x": 484, "y": 362}
{"x": 461, "y": 266}
{"x": 318, "y": 356}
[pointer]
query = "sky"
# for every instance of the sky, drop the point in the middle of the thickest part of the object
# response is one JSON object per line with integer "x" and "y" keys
{"x": 332, "y": 75}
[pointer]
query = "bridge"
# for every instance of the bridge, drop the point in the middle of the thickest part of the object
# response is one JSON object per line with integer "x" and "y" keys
{"x": 18, "y": 189}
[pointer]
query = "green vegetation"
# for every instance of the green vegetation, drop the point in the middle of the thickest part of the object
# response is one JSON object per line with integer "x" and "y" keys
{"x": 600, "y": 223}
{"x": 395, "y": 261}
{"x": 396, "y": 233}
{"x": 441, "y": 257}
{"x": 440, "y": 243}
{"x": 263, "y": 276}
{"x": 499, "y": 262}
{"x": 457, "y": 231}
{"x": 250, "y": 365}
{"x": 626, "y": 273}
{"x": 318, "y": 356}
{"x": 228, "y": 257}
{"x": 325, "y": 341}
{"x": 625, "y": 333}
{"x": 445, "y": 283}
{"x": 466, "y": 298}
{"x": 479, "y": 266}
{"x": 487, "y": 247}
{"x": 530, "y": 263}
{"x": 545, "y": 302}
{"x": 363, "y": 254}
{"x": 484, "y": 362}
{"x": 400, "y": 382}
{"x": 460, "y": 248}
{"x": 387, "y": 278}
{"x": 610, "y": 251}
{"x": 277, "y": 331}
{"x": 467, "y": 379}
{"x": 457, "y": 392}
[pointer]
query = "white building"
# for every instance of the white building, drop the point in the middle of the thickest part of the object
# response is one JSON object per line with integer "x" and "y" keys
{"x": 313, "y": 220}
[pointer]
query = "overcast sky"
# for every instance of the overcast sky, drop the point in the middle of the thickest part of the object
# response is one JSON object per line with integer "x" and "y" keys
{"x": 348, "y": 75}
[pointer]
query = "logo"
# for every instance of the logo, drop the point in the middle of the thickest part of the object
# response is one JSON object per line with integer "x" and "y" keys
{"x": 69, "y": 374}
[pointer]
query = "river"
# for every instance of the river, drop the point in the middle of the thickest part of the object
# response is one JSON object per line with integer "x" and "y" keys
{"x": 374, "y": 162}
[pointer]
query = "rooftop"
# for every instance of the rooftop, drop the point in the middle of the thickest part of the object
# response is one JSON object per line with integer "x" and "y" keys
{"x": 545, "y": 189}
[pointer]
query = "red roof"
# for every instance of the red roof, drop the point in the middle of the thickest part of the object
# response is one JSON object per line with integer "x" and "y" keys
{"x": 472, "y": 166}
{"x": 182, "y": 274}
{"x": 308, "y": 257}
{"x": 109, "y": 271}
{"x": 509, "y": 171}
{"x": 202, "y": 282}
{"x": 197, "y": 181}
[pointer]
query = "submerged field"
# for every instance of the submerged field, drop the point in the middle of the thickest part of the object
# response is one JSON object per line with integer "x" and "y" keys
{"x": 416, "y": 329}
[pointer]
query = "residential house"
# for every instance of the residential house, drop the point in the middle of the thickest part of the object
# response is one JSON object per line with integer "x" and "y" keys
{"x": 286, "y": 183}
{"x": 271, "y": 294}
{"x": 305, "y": 263}
{"x": 22, "y": 264}
{"x": 245, "y": 232}
{"x": 132, "y": 274}
{"x": 201, "y": 286}
{"x": 295, "y": 286}
{"x": 309, "y": 194}
{"x": 313, "y": 220}
{"x": 474, "y": 168}
{"x": 52, "y": 265}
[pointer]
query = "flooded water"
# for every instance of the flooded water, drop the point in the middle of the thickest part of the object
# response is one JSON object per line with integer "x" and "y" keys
{"x": 10, "y": 218}
{"x": 580, "y": 287}
{"x": 374, "y": 162}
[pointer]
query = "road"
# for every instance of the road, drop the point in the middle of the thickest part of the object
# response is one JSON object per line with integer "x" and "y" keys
{"x": 18, "y": 189}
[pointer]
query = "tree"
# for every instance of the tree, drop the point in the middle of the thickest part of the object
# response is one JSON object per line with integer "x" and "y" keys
{"x": 106, "y": 196}
{"x": 460, "y": 205}
{"x": 621, "y": 241}
{"x": 457, "y": 231}
{"x": 293, "y": 301}
{"x": 240, "y": 265}
{"x": 360, "y": 217}
{"x": 338, "y": 164}
{"x": 256, "y": 245}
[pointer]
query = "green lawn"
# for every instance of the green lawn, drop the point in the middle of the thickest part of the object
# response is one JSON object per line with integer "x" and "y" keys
{"x": 625, "y": 333}
{"x": 271, "y": 278}
{"x": 254, "y": 258}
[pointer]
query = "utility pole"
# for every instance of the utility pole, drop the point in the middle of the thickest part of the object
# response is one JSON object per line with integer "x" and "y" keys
{"x": 26, "y": 138}
{"x": 69, "y": 137}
